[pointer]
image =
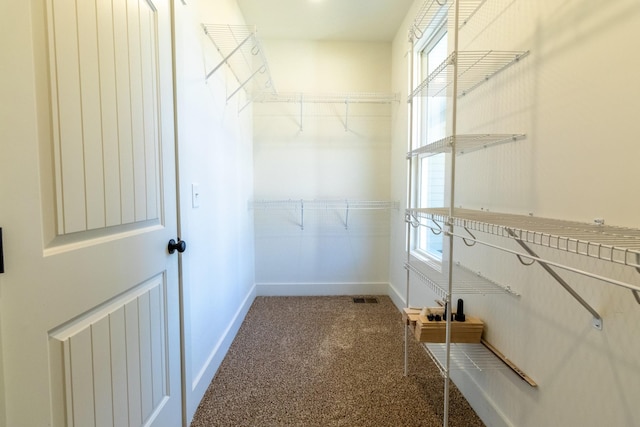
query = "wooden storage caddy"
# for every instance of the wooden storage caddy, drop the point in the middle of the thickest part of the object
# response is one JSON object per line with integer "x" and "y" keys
{"x": 410, "y": 317}
{"x": 469, "y": 331}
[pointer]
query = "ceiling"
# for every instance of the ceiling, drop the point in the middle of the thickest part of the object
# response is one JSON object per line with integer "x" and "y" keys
{"x": 326, "y": 20}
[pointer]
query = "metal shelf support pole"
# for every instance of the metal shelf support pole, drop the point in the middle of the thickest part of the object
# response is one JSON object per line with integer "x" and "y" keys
{"x": 346, "y": 115}
{"x": 346, "y": 216}
{"x": 408, "y": 219}
{"x": 450, "y": 228}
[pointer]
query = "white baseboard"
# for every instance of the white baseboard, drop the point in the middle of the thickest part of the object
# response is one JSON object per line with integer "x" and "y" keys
{"x": 481, "y": 403}
{"x": 397, "y": 298}
{"x": 204, "y": 377}
{"x": 317, "y": 289}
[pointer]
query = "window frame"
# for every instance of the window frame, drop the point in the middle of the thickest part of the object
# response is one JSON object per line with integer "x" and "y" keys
{"x": 424, "y": 237}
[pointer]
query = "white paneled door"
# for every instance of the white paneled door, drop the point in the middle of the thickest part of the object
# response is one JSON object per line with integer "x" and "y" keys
{"x": 89, "y": 299}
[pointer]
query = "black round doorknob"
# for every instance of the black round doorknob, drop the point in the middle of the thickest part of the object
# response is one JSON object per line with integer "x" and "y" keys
{"x": 179, "y": 246}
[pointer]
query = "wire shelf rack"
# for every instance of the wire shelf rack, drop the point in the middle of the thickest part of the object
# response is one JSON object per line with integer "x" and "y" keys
{"x": 345, "y": 99}
{"x": 473, "y": 69}
{"x": 323, "y": 204}
{"x": 618, "y": 245}
{"x": 426, "y": 20}
{"x": 464, "y": 356}
{"x": 241, "y": 50}
{"x": 300, "y": 206}
{"x": 464, "y": 143}
{"x": 331, "y": 98}
{"x": 465, "y": 281}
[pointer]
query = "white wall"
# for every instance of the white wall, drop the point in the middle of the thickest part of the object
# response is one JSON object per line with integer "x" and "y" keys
{"x": 576, "y": 99}
{"x": 215, "y": 152}
{"x": 310, "y": 155}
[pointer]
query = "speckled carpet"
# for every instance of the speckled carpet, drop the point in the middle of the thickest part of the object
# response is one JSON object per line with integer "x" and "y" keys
{"x": 327, "y": 361}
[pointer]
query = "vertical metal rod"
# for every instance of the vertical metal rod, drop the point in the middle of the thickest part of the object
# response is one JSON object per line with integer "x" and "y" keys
{"x": 409, "y": 197}
{"x": 301, "y": 214}
{"x": 301, "y": 112}
{"x": 346, "y": 115}
{"x": 346, "y": 217}
{"x": 454, "y": 128}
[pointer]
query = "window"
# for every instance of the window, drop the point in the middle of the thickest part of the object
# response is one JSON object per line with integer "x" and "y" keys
{"x": 430, "y": 114}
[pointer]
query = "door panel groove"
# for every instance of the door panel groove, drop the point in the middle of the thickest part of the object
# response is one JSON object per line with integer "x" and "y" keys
{"x": 112, "y": 361}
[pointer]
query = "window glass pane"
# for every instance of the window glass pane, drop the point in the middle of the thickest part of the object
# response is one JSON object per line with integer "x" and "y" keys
{"x": 431, "y": 115}
{"x": 432, "y": 173}
{"x": 436, "y": 106}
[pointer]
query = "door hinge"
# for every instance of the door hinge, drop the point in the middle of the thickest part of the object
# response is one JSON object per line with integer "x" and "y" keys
{"x": 1, "y": 254}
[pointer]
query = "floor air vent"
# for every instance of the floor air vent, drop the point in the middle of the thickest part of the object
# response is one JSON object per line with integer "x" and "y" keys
{"x": 361, "y": 300}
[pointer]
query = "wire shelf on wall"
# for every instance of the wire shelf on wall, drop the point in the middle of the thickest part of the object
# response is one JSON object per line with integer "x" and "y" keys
{"x": 473, "y": 69}
{"x": 426, "y": 20}
{"x": 344, "y": 98}
{"x": 618, "y": 245}
{"x": 331, "y": 98}
{"x": 323, "y": 204}
{"x": 464, "y": 143}
{"x": 465, "y": 281}
{"x": 241, "y": 50}
{"x": 315, "y": 205}
{"x": 465, "y": 356}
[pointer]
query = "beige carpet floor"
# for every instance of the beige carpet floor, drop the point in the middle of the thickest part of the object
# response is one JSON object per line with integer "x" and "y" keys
{"x": 327, "y": 361}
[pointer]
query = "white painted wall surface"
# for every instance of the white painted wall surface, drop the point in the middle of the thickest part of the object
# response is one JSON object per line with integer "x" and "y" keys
{"x": 215, "y": 153}
{"x": 576, "y": 99}
{"x": 311, "y": 156}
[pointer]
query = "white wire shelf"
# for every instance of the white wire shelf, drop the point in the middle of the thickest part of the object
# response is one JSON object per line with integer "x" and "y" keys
{"x": 300, "y": 206}
{"x": 464, "y": 143}
{"x": 323, "y": 204}
{"x": 477, "y": 357}
{"x": 464, "y": 356}
{"x": 465, "y": 281}
{"x": 331, "y": 98}
{"x": 426, "y": 21}
{"x": 345, "y": 99}
{"x": 241, "y": 50}
{"x": 618, "y": 245}
{"x": 473, "y": 69}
